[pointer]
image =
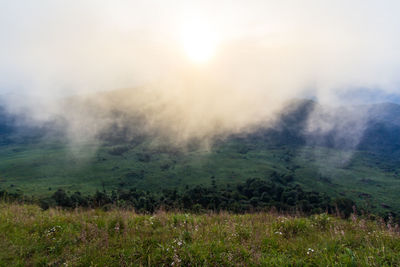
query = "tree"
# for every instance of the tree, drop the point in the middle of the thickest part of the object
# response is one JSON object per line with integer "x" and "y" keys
{"x": 61, "y": 198}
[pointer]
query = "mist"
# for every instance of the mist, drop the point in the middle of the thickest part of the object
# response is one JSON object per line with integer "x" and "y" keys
{"x": 86, "y": 61}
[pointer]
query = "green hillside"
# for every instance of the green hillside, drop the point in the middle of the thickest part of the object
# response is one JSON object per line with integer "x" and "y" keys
{"x": 42, "y": 168}
{"x": 38, "y": 160}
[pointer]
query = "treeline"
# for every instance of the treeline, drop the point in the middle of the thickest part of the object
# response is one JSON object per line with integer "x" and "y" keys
{"x": 250, "y": 196}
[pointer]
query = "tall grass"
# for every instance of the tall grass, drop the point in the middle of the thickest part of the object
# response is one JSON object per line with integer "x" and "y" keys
{"x": 32, "y": 237}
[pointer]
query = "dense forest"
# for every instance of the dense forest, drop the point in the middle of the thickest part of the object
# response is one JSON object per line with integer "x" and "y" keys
{"x": 253, "y": 195}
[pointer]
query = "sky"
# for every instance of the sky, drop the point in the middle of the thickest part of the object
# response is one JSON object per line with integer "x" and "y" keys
{"x": 198, "y": 63}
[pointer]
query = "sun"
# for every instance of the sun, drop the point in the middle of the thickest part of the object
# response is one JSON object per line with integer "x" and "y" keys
{"x": 199, "y": 41}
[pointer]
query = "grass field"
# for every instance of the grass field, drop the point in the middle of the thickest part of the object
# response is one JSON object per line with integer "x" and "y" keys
{"x": 32, "y": 237}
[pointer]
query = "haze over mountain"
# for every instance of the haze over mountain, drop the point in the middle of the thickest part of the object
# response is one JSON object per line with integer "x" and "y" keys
{"x": 372, "y": 127}
{"x": 198, "y": 70}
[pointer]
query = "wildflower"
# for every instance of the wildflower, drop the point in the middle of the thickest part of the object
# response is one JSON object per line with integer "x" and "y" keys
{"x": 179, "y": 243}
{"x": 52, "y": 230}
{"x": 309, "y": 251}
{"x": 278, "y": 233}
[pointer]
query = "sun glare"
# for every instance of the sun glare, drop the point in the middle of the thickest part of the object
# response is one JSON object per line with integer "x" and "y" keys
{"x": 199, "y": 41}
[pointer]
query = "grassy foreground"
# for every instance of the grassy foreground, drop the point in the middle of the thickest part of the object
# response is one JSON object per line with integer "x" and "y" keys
{"x": 32, "y": 237}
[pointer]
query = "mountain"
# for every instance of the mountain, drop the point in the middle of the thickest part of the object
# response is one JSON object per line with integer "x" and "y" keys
{"x": 7, "y": 123}
{"x": 341, "y": 151}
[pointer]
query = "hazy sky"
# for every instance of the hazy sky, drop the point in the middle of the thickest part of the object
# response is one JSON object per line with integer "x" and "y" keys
{"x": 206, "y": 62}
{"x": 55, "y": 47}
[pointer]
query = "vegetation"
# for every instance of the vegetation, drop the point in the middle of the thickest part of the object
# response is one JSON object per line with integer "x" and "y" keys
{"x": 250, "y": 196}
{"x": 30, "y": 236}
{"x": 134, "y": 200}
{"x": 39, "y": 170}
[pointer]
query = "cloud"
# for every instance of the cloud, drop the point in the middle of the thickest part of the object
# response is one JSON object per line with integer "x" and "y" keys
{"x": 269, "y": 52}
